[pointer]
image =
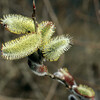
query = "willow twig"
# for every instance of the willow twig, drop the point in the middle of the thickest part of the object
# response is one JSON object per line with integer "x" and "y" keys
{"x": 34, "y": 15}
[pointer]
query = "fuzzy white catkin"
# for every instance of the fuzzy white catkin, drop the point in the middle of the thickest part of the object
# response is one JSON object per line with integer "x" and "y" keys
{"x": 18, "y": 24}
{"x": 57, "y": 46}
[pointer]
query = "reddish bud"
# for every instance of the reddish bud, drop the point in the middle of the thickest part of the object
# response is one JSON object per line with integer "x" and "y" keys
{"x": 40, "y": 70}
{"x": 65, "y": 76}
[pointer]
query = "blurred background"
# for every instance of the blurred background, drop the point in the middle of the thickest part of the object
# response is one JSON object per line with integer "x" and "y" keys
{"x": 78, "y": 18}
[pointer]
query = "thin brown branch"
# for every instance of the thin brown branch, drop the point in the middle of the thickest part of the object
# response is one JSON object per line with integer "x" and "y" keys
{"x": 34, "y": 15}
{"x": 57, "y": 78}
{"x": 54, "y": 84}
{"x": 66, "y": 79}
{"x": 34, "y": 10}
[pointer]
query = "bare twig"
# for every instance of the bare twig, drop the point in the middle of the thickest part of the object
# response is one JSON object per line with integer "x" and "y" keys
{"x": 67, "y": 79}
{"x": 34, "y": 15}
{"x": 57, "y": 78}
{"x": 34, "y": 10}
